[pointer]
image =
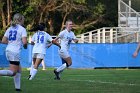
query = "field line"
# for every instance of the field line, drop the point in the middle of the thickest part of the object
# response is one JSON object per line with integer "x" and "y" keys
{"x": 106, "y": 82}
{"x": 90, "y": 81}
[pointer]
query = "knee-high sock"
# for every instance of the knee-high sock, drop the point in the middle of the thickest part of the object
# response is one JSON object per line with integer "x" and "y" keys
{"x": 34, "y": 71}
{"x": 6, "y": 73}
{"x": 62, "y": 67}
{"x": 32, "y": 66}
{"x": 17, "y": 80}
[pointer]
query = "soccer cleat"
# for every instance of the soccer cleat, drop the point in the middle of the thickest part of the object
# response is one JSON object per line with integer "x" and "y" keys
{"x": 29, "y": 77}
{"x": 18, "y": 89}
{"x": 43, "y": 69}
{"x": 56, "y": 78}
{"x": 57, "y": 75}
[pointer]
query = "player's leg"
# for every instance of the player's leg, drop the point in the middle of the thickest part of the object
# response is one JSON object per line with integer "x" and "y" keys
{"x": 11, "y": 71}
{"x": 43, "y": 65}
{"x": 32, "y": 66}
{"x": 34, "y": 56}
{"x": 15, "y": 66}
{"x": 66, "y": 62}
{"x": 6, "y": 73}
{"x": 17, "y": 78}
{"x": 63, "y": 62}
{"x": 35, "y": 69}
{"x": 16, "y": 69}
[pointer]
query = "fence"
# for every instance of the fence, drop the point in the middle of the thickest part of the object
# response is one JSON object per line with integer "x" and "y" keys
{"x": 111, "y": 35}
{"x": 84, "y": 55}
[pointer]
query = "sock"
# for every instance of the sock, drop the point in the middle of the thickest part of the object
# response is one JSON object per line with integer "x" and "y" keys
{"x": 60, "y": 72}
{"x": 6, "y": 73}
{"x": 17, "y": 80}
{"x": 34, "y": 71}
{"x": 31, "y": 70}
{"x": 62, "y": 67}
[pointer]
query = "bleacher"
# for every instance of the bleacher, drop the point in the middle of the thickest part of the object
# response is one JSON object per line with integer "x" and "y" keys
{"x": 128, "y": 29}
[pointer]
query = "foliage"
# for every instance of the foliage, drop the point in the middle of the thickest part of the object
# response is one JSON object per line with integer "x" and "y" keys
{"x": 80, "y": 1}
{"x": 86, "y": 14}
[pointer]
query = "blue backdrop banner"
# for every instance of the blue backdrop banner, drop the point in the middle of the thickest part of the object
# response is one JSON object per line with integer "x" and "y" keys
{"x": 83, "y": 56}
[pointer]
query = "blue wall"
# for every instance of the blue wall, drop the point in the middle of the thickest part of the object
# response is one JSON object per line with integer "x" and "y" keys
{"x": 84, "y": 56}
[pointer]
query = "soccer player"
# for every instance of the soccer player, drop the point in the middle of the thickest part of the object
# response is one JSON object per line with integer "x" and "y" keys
{"x": 15, "y": 36}
{"x": 66, "y": 37}
{"x": 39, "y": 40}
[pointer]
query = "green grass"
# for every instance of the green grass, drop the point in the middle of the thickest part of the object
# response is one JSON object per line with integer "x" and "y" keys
{"x": 77, "y": 81}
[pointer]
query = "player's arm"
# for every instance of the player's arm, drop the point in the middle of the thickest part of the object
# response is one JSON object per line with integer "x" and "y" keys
{"x": 24, "y": 41}
{"x": 55, "y": 42}
{"x": 49, "y": 45}
{"x": 24, "y": 38}
{"x": 75, "y": 40}
{"x": 33, "y": 39}
{"x": 4, "y": 40}
{"x": 49, "y": 41}
{"x": 32, "y": 43}
{"x": 137, "y": 50}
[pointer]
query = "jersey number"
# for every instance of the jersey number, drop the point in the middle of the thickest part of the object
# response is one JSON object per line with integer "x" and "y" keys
{"x": 12, "y": 35}
{"x": 40, "y": 39}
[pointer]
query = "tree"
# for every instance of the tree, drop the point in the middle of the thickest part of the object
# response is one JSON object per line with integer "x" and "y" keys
{"x": 5, "y": 13}
{"x": 86, "y": 14}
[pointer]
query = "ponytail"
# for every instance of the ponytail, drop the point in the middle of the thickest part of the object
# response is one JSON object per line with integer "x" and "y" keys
{"x": 17, "y": 19}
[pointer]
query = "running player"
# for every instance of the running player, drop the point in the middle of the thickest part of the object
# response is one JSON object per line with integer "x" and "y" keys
{"x": 39, "y": 40}
{"x": 15, "y": 36}
{"x": 66, "y": 37}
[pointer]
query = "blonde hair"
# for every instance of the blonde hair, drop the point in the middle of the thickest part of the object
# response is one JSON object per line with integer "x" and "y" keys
{"x": 17, "y": 19}
{"x": 68, "y": 21}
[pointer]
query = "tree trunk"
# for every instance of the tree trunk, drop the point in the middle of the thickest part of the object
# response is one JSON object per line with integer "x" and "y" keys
{"x": 9, "y": 7}
{"x": 51, "y": 25}
{"x": 3, "y": 18}
{"x": 63, "y": 22}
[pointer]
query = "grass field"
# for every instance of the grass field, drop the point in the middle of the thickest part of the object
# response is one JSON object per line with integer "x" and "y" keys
{"x": 77, "y": 81}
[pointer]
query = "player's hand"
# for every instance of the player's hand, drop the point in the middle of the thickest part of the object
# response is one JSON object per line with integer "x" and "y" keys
{"x": 135, "y": 54}
{"x": 25, "y": 46}
{"x": 49, "y": 45}
{"x": 59, "y": 47}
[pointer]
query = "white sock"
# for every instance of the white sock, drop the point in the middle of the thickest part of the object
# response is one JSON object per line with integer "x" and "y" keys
{"x": 34, "y": 71}
{"x": 32, "y": 66}
{"x": 62, "y": 67}
{"x": 6, "y": 73}
{"x": 17, "y": 80}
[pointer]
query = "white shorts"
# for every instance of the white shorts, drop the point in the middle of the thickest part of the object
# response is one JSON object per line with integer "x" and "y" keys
{"x": 38, "y": 55}
{"x": 12, "y": 56}
{"x": 63, "y": 53}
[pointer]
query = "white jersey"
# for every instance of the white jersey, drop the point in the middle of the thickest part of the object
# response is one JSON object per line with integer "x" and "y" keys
{"x": 65, "y": 39}
{"x": 14, "y": 35}
{"x": 40, "y": 39}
